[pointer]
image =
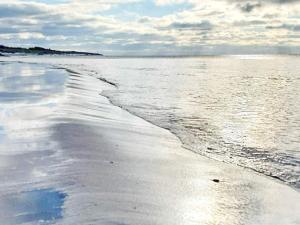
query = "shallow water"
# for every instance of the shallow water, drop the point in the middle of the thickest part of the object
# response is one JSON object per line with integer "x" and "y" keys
{"x": 243, "y": 109}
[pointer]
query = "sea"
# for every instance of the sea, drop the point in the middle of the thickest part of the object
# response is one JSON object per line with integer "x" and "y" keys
{"x": 241, "y": 109}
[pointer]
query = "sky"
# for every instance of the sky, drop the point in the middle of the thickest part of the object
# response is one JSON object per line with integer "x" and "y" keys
{"x": 154, "y": 27}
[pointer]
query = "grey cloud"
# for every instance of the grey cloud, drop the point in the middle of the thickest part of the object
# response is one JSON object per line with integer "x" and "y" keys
{"x": 51, "y": 29}
{"x": 294, "y": 36}
{"x": 249, "y": 6}
{"x": 144, "y": 20}
{"x": 8, "y": 30}
{"x": 249, "y": 23}
{"x": 58, "y": 25}
{"x": 18, "y": 10}
{"x": 271, "y": 16}
{"x": 291, "y": 27}
{"x": 10, "y": 26}
{"x": 122, "y": 37}
{"x": 284, "y": 1}
{"x": 265, "y": 1}
{"x": 204, "y": 25}
{"x": 38, "y": 18}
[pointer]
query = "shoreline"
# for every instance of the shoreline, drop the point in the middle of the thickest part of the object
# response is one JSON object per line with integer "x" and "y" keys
{"x": 76, "y": 71}
{"x": 187, "y": 174}
{"x": 125, "y": 170}
{"x": 274, "y": 178}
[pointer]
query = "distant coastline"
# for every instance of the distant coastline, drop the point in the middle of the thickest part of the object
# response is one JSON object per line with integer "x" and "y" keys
{"x": 5, "y": 51}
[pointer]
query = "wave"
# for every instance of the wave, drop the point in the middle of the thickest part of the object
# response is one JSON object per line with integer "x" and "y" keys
{"x": 270, "y": 162}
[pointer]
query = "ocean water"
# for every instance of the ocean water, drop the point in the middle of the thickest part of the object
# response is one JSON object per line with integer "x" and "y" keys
{"x": 243, "y": 110}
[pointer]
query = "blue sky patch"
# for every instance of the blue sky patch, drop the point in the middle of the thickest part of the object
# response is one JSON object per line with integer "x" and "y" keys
{"x": 145, "y": 8}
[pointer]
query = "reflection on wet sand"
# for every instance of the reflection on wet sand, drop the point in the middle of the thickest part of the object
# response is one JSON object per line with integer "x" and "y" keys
{"x": 29, "y": 96}
{"x": 39, "y": 205}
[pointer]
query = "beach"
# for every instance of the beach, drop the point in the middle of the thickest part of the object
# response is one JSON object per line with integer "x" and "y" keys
{"x": 64, "y": 142}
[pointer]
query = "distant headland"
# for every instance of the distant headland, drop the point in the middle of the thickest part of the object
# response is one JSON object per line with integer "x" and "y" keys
{"x": 4, "y": 50}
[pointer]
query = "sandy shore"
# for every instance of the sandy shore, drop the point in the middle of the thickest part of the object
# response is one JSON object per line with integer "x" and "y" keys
{"x": 116, "y": 168}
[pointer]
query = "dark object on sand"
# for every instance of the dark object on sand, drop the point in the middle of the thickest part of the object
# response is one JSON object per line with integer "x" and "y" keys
{"x": 42, "y": 51}
{"x": 216, "y": 180}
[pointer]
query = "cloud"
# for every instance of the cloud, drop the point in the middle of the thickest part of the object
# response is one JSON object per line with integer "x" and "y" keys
{"x": 291, "y": 27}
{"x": 144, "y": 20}
{"x": 243, "y": 23}
{"x": 265, "y": 1}
{"x": 94, "y": 24}
{"x": 249, "y": 6}
{"x": 283, "y": 1}
{"x": 21, "y": 10}
{"x": 204, "y": 25}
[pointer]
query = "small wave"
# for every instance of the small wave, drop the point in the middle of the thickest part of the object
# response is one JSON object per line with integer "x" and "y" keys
{"x": 197, "y": 122}
{"x": 107, "y": 81}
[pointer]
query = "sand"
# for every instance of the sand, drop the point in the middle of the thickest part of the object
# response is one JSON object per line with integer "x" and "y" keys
{"x": 116, "y": 168}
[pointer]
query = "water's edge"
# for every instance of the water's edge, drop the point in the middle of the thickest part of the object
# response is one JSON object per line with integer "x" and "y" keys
{"x": 273, "y": 177}
{"x": 71, "y": 70}
{"x": 114, "y": 85}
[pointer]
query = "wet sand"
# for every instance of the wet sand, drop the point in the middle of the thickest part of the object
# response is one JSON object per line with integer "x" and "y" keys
{"x": 112, "y": 167}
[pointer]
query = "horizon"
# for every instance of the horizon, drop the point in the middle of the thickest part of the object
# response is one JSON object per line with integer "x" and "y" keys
{"x": 155, "y": 56}
{"x": 154, "y": 27}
